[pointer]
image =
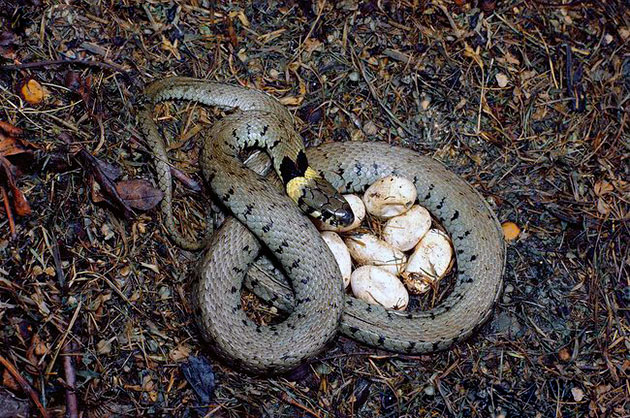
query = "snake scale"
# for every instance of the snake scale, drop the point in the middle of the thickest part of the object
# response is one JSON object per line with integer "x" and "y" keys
{"x": 265, "y": 216}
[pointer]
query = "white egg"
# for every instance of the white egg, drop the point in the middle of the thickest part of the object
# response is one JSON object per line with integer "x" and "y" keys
{"x": 405, "y": 231}
{"x": 340, "y": 251}
{"x": 390, "y": 196}
{"x": 430, "y": 261}
{"x": 369, "y": 249}
{"x": 377, "y": 286}
{"x": 358, "y": 209}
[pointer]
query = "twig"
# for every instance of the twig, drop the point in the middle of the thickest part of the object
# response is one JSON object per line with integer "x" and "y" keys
{"x": 26, "y": 387}
{"x": 72, "y": 407}
{"x": 304, "y": 408}
{"x": 7, "y": 209}
{"x": 105, "y": 65}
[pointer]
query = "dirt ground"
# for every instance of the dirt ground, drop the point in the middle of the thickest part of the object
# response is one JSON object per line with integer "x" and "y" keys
{"x": 527, "y": 100}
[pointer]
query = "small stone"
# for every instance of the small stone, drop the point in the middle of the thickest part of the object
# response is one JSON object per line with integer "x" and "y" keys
{"x": 353, "y": 76}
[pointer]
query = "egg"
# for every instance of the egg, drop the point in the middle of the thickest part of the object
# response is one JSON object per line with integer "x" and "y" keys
{"x": 341, "y": 253}
{"x": 358, "y": 209}
{"x": 377, "y": 286}
{"x": 390, "y": 196}
{"x": 431, "y": 260}
{"x": 405, "y": 231}
{"x": 371, "y": 250}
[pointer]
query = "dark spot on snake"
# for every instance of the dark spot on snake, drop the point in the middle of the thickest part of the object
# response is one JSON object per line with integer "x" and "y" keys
{"x": 258, "y": 329}
{"x": 248, "y": 209}
{"x": 254, "y": 283}
{"x": 375, "y": 166}
{"x": 432, "y": 315}
{"x": 473, "y": 257}
{"x": 349, "y": 302}
{"x": 466, "y": 233}
{"x": 236, "y": 308}
{"x": 234, "y": 133}
{"x": 295, "y": 264}
{"x": 455, "y": 215}
{"x": 246, "y": 248}
{"x": 300, "y": 316}
{"x": 460, "y": 252}
{"x": 428, "y": 196}
{"x": 381, "y": 340}
{"x": 237, "y": 270}
{"x": 288, "y": 170}
{"x": 279, "y": 250}
{"x": 267, "y": 227}
{"x": 358, "y": 167}
{"x": 233, "y": 289}
{"x": 412, "y": 345}
{"x": 274, "y": 144}
{"x": 353, "y": 329}
{"x": 369, "y": 308}
{"x": 415, "y": 179}
{"x": 249, "y": 129}
{"x": 264, "y": 131}
{"x": 435, "y": 346}
{"x": 441, "y": 218}
{"x": 409, "y": 316}
{"x": 301, "y": 162}
{"x": 273, "y": 298}
{"x": 431, "y": 186}
{"x": 244, "y": 322}
{"x": 439, "y": 206}
{"x": 469, "y": 280}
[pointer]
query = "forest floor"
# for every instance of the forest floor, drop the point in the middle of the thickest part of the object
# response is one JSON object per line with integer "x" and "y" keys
{"x": 527, "y": 100}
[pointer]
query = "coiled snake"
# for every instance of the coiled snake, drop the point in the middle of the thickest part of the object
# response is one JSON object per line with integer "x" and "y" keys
{"x": 264, "y": 215}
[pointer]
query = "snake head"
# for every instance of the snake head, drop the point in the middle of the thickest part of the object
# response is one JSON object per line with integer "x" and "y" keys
{"x": 319, "y": 199}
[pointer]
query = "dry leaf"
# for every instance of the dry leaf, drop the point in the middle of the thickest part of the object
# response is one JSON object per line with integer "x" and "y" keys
{"x": 602, "y": 187}
{"x": 10, "y": 129}
{"x": 139, "y": 193}
{"x": 32, "y": 92}
{"x": 502, "y": 79}
{"x": 510, "y": 231}
{"x": 578, "y": 394}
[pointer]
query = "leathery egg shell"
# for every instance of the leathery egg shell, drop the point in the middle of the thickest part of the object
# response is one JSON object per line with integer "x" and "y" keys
{"x": 369, "y": 249}
{"x": 405, "y": 231}
{"x": 390, "y": 196}
{"x": 358, "y": 209}
{"x": 377, "y": 286}
{"x": 340, "y": 251}
{"x": 430, "y": 261}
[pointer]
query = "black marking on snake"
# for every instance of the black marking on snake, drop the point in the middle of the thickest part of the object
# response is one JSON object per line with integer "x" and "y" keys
{"x": 349, "y": 302}
{"x": 295, "y": 264}
{"x": 432, "y": 315}
{"x": 300, "y": 316}
{"x": 469, "y": 280}
{"x": 236, "y": 308}
{"x": 460, "y": 252}
{"x": 255, "y": 283}
{"x": 473, "y": 257}
{"x": 248, "y": 211}
{"x": 358, "y": 167}
{"x": 234, "y": 133}
{"x": 415, "y": 179}
{"x": 264, "y": 131}
{"x": 353, "y": 330}
{"x": 369, "y": 308}
{"x": 409, "y": 316}
{"x": 245, "y": 248}
{"x": 304, "y": 281}
{"x": 428, "y": 196}
{"x": 267, "y": 228}
{"x": 233, "y": 289}
{"x": 301, "y": 162}
{"x": 244, "y": 322}
{"x": 288, "y": 170}
{"x": 274, "y": 144}
{"x": 435, "y": 346}
{"x": 381, "y": 340}
{"x": 455, "y": 216}
{"x": 439, "y": 206}
{"x": 236, "y": 269}
{"x": 227, "y": 195}
{"x": 431, "y": 186}
{"x": 258, "y": 330}
{"x": 411, "y": 346}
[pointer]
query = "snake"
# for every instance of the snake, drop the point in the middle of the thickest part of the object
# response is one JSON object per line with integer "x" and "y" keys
{"x": 265, "y": 217}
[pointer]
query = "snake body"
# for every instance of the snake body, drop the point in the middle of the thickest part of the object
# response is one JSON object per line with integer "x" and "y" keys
{"x": 265, "y": 216}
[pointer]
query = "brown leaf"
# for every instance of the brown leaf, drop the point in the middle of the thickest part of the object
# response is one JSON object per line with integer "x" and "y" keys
{"x": 139, "y": 193}
{"x": 10, "y": 130}
{"x": 32, "y": 92}
{"x": 13, "y": 146}
{"x": 22, "y": 208}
